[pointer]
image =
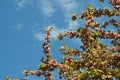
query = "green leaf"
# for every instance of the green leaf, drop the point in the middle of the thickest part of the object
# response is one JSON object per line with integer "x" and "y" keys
{"x": 17, "y": 79}
{"x": 84, "y": 75}
{"x": 7, "y": 78}
{"x": 90, "y": 7}
{"x": 118, "y": 75}
{"x": 100, "y": 71}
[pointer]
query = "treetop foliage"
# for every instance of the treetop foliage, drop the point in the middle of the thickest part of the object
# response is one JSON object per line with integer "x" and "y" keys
{"x": 97, "y": 61}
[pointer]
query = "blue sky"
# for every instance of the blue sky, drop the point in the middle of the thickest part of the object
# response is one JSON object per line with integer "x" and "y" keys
{"x": 22, "y": 25}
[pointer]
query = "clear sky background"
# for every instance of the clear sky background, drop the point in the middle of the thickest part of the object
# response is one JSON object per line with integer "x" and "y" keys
{"x": 22, "y": 25}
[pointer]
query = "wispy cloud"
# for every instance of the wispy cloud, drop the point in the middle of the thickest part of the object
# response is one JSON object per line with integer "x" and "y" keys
{"x": 38, "y": 32}
{"x": 22, "y": 3}
{"x": 69, "y": 7}
{"x": 56, "y": 31}
{"x": 19, "y": 26}
{"x": 47, "y": 7}
{"x": 73, "y": 25}
{"x": 39, "y": 36}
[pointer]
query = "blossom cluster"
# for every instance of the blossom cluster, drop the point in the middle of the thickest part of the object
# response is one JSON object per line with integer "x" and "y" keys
{"x": 95, "y": 60}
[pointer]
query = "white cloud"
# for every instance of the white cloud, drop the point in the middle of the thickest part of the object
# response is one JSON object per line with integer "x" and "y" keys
{"x": 38, "y": 33}
{"x": 39, "y": 36}
{"x": 47, "y": 8}
{"x": 19, "y": 26}
{"x": 56, "y": 31}
{"x": 69, "y": 7}
{"x": 22, "y": 3}
{"x": 73, "y": 25}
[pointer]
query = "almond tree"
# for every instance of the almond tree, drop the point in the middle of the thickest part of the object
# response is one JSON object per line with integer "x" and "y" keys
{"x": 97, "y": 61}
